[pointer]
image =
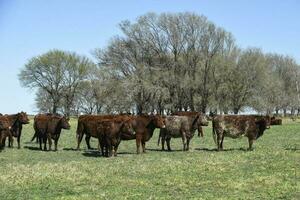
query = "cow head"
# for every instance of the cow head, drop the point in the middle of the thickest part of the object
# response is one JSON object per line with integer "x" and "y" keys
{"x": 64, "y": 122}
{"x": 200, "y": 120}
{"x": 159, "y": 121}
{"x": 127, "y": 127}
{"x": 23, "y": 118}
{"x": 262, "y": 124}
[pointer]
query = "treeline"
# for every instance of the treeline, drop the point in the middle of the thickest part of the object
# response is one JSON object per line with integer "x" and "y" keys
{"x": 164, "y": 63}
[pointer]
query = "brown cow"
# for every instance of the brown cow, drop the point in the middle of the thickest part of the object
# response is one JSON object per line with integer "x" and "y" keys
{"x": 234, "y": 126}
{"x": 16, "y": 122}
{"x": 49, "y": 127}
{"x": 276, "y": 121}
{"x": 181, "y": 126}
{"x": 109, "y": 134}
{"x": 143, "y": 125}
{"x": 4, "y": 130}
{"x": 193, "y": 114}
{"x": 87, "y": 124}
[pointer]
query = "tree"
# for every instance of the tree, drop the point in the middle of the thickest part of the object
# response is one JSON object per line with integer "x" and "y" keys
{"x": 57, "y": 73}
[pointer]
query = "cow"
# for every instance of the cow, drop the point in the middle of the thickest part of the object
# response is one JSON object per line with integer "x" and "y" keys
{"x": 180, "y": 126}
{"x": 4, "y": 130}
{"x": 87, "y": 125}
{"x": 16, "y": 122}
{"x": 49, "y": 127}
{"x": 109, "y": 134}
{"x": 193, "y": 114}
{"x": 276, "y": 121}
{"x": 143, "y": 126}
{"x": 235, "y": 126}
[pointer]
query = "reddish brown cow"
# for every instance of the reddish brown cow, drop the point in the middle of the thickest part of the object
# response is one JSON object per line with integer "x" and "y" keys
{"x": 87, "y": 124}
{"x": 109, "y": 134}
{"x": 16, "y": 122}
{"x": 143, "y": 125}
{"x": 49, "y": 127}
{"x": 235, "y": 126}
{"x": 4, "y": 130}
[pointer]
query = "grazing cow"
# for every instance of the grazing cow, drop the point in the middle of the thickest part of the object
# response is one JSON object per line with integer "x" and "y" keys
{"x": 143, "y": 125}
{"x": 16, "y": 122}
{"x": 180, "y": 126}
{"x": 109, "y": 134}
{"x": 276, "y": 121}
{"x": 234, "y": 126}
{"x": 4, "y": 130}
{"x": 194, "y": 115}
{"x": 49, "y": 127}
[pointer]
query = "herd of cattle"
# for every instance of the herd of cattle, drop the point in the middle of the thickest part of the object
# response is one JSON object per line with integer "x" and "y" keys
{"x": 110, "y": 130}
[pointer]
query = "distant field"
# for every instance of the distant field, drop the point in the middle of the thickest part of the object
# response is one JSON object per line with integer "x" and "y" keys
{"x": 271, "y": 171}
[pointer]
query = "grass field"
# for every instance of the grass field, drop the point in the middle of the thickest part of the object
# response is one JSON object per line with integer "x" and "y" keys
{"x": 271, "y": 171}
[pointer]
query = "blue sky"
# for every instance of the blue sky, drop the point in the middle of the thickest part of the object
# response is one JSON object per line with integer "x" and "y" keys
{"x": 32, "y": 27}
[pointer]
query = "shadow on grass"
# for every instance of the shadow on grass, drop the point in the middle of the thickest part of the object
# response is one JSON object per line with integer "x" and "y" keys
{"x": 292, "y": 149}
{"x": 160, "y": 150}
{"x": 70, "y": 149}
{"x": 216, "y": 150}
{"x": 32, "y": 148}
{"x": 94, "y": 154}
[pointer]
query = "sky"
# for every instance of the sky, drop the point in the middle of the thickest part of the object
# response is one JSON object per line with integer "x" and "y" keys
{"x": 31, "y": 27}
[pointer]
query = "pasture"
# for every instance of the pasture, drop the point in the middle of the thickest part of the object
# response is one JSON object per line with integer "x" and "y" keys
{"x": 271, "y": 171}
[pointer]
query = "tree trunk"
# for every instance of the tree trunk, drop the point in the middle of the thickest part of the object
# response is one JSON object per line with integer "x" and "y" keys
{"x": 236, "y": 110}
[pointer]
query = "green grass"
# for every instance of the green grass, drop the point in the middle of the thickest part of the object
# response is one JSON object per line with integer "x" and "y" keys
{"x": 271, "y": 171}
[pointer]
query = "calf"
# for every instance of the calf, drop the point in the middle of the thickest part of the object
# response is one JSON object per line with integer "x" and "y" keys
{"x": 235, "y": 126}
{"x": 49, "y": 127}
{"x": 109, "y": 135}
{"x": 16, "y": 122}
{"x": 180, "y": 126}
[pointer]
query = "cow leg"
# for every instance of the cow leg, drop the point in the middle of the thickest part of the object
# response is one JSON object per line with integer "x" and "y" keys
{"x": 144, "y": 146}
{"x": 87, "y": 140}
{"x": 79, "y": 139}
{"x": 138, "y": 144}
{"x": 99, "y": 144}
{"x": 188, "y": 144}
{"x": 10, "y": 141}
{"x": 168, "y": 143}
{"x": 219, "y": 141}
{"x": 40, "y": 140}
{"x": 49, "y": 141}
{"x": 184, "y": 141}
{"x": 102, "y": 146}
{"x": 222, "y": 140}
{"x": 250, "y": 140}
{"x": 55, "y": 144}
{"x": 45, "y": 142}
{"x": 163, "y": 140}
{"x": 116, "y": 148}
{"x": 18, "y": 139}
{"x": 56, "y": 141}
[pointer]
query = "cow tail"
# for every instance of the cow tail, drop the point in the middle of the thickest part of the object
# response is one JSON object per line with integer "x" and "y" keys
{"x": 214, "y": 132}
